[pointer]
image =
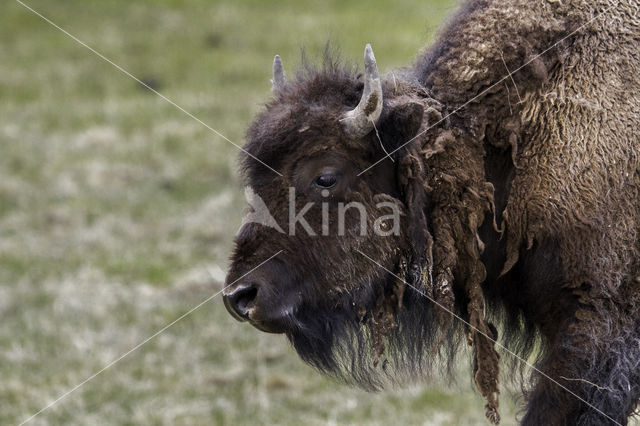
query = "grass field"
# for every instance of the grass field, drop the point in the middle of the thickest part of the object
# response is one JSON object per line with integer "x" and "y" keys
{"x": 117, "y": 212}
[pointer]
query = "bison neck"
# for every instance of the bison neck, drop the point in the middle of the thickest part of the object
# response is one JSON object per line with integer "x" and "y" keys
{"x": 469, "y": 182}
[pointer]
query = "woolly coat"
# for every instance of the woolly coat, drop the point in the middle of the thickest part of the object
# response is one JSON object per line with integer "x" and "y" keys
{"x": 545, "y": 96}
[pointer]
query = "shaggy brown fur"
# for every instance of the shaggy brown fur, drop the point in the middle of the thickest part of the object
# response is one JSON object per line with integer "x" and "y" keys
{"x": 571, "y": 125}
{"x": 520, "y": 208}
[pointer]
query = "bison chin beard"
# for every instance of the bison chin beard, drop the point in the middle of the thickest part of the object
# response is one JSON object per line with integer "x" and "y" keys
{"x": 384, "y": 334}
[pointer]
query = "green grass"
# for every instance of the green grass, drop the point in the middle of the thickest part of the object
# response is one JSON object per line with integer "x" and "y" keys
{"x": 115, "y": 206}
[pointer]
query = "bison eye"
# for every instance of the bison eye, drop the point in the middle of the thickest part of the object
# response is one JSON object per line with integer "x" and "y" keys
{"x": 325, "y": 181}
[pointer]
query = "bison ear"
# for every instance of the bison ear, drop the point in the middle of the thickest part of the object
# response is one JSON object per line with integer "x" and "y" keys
{"x": 402, "y": 123}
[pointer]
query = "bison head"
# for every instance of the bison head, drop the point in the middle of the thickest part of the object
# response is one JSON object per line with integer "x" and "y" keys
{"x": 348, "y": 246}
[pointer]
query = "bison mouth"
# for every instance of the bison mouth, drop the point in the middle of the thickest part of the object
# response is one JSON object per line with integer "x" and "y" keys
{"x": 240, "y": 302}
{"x": 254, "y": 298}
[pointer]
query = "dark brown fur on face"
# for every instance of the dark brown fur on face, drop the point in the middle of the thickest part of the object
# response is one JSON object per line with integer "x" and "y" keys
{"x": 520, "y": 209}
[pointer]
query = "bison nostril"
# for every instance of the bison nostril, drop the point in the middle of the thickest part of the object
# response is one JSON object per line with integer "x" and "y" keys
{"x": 241, "y": 299}
{"x": 245, "y": 299}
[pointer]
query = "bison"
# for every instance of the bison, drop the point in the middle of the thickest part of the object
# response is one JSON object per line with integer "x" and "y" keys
{"x": 488, "y": 196}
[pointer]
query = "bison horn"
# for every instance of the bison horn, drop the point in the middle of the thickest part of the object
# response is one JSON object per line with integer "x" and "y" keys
{"x": 278, "y": 74}
{"x": 362, "y": 119}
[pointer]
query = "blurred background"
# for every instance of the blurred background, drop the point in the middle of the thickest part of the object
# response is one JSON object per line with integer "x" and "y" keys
{"x": 117, "y": 212}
